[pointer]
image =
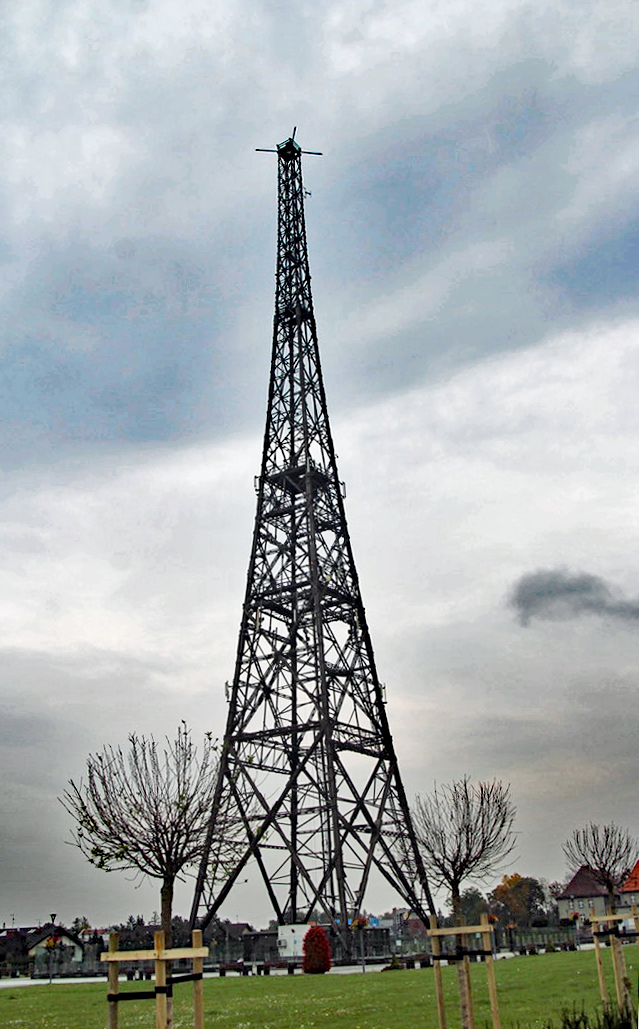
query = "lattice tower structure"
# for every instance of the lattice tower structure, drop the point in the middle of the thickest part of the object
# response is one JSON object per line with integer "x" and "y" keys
{"x": 308, "y": 764}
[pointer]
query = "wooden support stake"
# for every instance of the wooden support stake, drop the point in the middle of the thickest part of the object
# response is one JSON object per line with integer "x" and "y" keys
{"x": 114, "y": 986}
{"x": 617, "y": 959}
{"x": 439, "y": 986}
{"x": 624, "y": 990}
{"x": 635, "y": 918}
{"x": 198, "y": 985}
{"x": 160, "y": 981}
{"x": 454, "y": 931}
{"x": 487, "y": 943}
{"x": 603, "y": 990}
{"x": 469, "y": 992}
{"x": 465, "y": 997}
{"x": 465, "y": 991}
{"x": 619, "y": 965}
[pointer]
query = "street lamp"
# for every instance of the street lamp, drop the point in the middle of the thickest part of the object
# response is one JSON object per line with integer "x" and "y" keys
{"x": 53, "y": 918}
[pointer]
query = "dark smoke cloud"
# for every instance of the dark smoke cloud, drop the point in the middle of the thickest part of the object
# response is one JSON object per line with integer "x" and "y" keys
{"x": 558, "y": 594}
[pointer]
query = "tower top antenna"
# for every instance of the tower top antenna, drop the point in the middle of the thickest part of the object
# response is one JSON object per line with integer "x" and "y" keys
{"x": 289, "y": 148}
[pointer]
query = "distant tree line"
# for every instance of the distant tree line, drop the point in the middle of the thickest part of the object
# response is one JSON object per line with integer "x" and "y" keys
{"x": 517, "y": 899}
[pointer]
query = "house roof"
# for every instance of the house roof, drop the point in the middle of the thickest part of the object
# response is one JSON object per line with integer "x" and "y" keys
{"x": 632, "y": 882}
{"x": 583, "y": 884}
{"x": 237, "y": 929}
{"x": 234, "y": 930}
{"x": 36, "y": 937}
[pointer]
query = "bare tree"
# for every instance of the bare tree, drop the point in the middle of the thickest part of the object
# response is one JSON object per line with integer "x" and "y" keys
{"x": 464, "y": 831}
{"x": 147, "y": 810}
{"x": 609, "y": 852}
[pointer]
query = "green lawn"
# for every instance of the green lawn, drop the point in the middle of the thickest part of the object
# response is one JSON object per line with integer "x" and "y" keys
{"x": 532, "y": 990}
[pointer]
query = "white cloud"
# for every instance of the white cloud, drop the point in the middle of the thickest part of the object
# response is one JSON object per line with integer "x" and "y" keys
{"x": 84, "y": 567}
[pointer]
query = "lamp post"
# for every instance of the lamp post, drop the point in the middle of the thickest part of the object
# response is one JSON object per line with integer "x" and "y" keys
{"x": 50, "y": 946}
{"x": 358, "y": 924}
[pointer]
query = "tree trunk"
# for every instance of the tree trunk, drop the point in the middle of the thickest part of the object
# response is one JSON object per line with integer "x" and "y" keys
{"x": 456, "y": 902}
{"x": 166, "y": 897}
{"x": 463, "y": 967}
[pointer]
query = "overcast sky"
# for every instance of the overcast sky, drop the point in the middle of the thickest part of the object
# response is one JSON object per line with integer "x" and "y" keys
{"x": 473, "y": 231}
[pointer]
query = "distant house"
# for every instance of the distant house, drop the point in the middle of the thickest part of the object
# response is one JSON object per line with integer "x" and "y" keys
{"x": 260, "y": 945}
{"x": 13, "y": 945}
{"x": 630, "y": 889}
{"x": 583, "y": 896}
{"x": 56, "y": 940}
{"x": 228, "y": 941}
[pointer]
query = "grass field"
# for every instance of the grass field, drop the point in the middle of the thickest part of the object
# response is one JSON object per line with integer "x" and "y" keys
{"x": 532, "y": 990}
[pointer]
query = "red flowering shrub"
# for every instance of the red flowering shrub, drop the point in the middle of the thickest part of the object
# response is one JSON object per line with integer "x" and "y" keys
{"x": 316, "y": 950}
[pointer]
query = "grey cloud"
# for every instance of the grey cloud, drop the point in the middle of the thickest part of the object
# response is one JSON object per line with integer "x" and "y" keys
{"x": 591, "y": 719}
{"x": 18, "y": 730}
{"x": 569, "y": 763}
{"x": 135, "y": 347}
{"x": 559, "y": 594}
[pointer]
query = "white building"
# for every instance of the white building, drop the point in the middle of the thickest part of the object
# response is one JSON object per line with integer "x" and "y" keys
{"x": 289, "y": 941}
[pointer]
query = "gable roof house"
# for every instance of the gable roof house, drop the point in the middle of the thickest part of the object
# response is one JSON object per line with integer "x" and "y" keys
{"x": 54, "y": 949}
{"x": 582, "y": 896}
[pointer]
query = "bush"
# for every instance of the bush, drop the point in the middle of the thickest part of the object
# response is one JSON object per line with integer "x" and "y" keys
{"x": 611, "y": 1017}
{"x": 316, "y": 950}
{"x": 395, "y": 965}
